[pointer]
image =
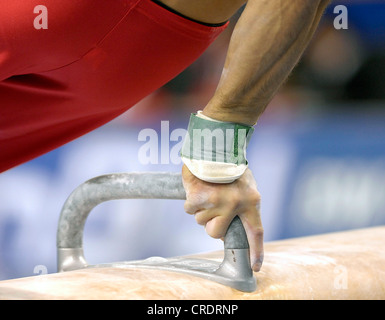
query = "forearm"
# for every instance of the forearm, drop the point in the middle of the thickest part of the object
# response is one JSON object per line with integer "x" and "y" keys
{"x": 266, "y": 44}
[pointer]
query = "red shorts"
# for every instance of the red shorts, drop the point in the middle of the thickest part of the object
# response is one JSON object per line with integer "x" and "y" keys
{"x": 96, "y": 60}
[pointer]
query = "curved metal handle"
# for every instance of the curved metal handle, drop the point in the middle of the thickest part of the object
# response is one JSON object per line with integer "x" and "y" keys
{"x": 150, "y": 185}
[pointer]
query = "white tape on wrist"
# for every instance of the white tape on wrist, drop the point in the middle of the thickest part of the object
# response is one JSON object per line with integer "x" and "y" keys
{"x": 215, "y": 151}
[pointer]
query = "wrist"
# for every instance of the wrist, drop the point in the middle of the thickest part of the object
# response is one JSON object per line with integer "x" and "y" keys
{"x": 231, "y": 113}
{"x": 215, "y": 151}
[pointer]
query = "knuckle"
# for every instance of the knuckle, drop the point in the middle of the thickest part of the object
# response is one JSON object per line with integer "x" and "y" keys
{"x": 195, "y": 198}
{"x": 200, "y": 220}
{"x": 254, "y": 197}
{"x": 234, "y": 198}
{"x": 259, "y": 231}
{"x": 215, "y": 198}
{"x": 231, "y": 201}
{"x": 188, "y": 208}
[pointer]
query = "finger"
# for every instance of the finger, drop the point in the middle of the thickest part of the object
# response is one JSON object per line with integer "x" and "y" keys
{"x": 202, "y": 217}
{"x": 197, "y": 201}
{"x": 217, "y": 227}
{"x": 254, "y": 231}
{"x": 191, "y": 208}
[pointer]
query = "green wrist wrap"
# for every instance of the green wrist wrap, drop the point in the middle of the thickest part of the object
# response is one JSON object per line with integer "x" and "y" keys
{"x": 216, "y": 141}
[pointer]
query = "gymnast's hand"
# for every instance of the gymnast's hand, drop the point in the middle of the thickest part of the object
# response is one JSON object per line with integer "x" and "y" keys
{"x": 215, "y": 206}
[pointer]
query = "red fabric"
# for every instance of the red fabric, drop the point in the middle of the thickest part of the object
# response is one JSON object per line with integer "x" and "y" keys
{"x": 96, "y": 60}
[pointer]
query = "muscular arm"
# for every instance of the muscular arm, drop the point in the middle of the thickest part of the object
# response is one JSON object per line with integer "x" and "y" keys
{"x": 266, "y": 44}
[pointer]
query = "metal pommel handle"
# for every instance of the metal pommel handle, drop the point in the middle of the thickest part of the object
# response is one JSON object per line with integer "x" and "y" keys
{"x": 149, "y": 185}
